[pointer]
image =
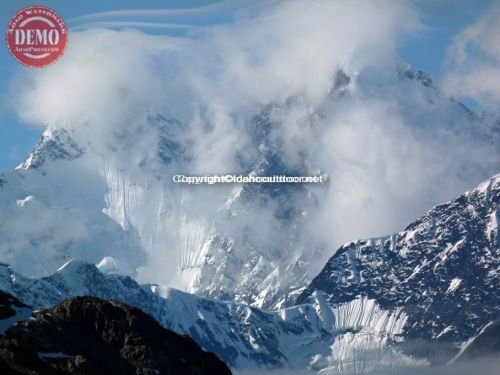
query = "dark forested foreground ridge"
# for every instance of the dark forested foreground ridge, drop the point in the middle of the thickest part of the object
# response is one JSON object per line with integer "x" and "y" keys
{"x": 86, "y": 335}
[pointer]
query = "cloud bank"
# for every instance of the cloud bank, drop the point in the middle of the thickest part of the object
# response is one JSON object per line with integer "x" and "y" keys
{"x": 338, "y": 101}
{"x": 474, "y": 61}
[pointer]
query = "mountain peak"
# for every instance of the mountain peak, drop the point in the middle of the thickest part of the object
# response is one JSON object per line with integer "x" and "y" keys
{"x": 55, "y": 144}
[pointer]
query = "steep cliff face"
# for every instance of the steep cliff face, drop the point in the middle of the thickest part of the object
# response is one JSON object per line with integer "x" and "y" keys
{"x": 442, "y": 271}
{"x": 86, "y": 335}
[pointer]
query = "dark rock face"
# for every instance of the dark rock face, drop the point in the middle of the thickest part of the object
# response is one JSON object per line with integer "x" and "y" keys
{"x": 8, "y": 305}
{"x": 86, "y": 335}
{"x": 417, "y": 75}
{"x": 443, "y": 271}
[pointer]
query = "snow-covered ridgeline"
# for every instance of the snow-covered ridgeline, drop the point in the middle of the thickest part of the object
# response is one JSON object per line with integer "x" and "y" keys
{"x": 242, "y": 336}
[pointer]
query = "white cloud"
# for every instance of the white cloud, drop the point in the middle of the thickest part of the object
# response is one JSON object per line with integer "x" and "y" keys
{"x": 391, "y": 146}
{"x": 474, "y": 60}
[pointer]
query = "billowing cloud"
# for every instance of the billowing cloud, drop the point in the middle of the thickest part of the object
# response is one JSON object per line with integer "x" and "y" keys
{"x": 336, "y": 97}
{"x": 474, "y": 60}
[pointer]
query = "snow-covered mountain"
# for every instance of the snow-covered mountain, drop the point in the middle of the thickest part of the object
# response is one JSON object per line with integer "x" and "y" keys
{"x": 252, "y": 271}
{"x": 379, "y": 306}
{"x": 91, "y": 195}
{"x": 443, "y": 271}
{"x": 244, "y": 337}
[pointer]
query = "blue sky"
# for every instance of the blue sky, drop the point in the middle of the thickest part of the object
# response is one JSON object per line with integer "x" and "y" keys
{"x": 425, "y": 50}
